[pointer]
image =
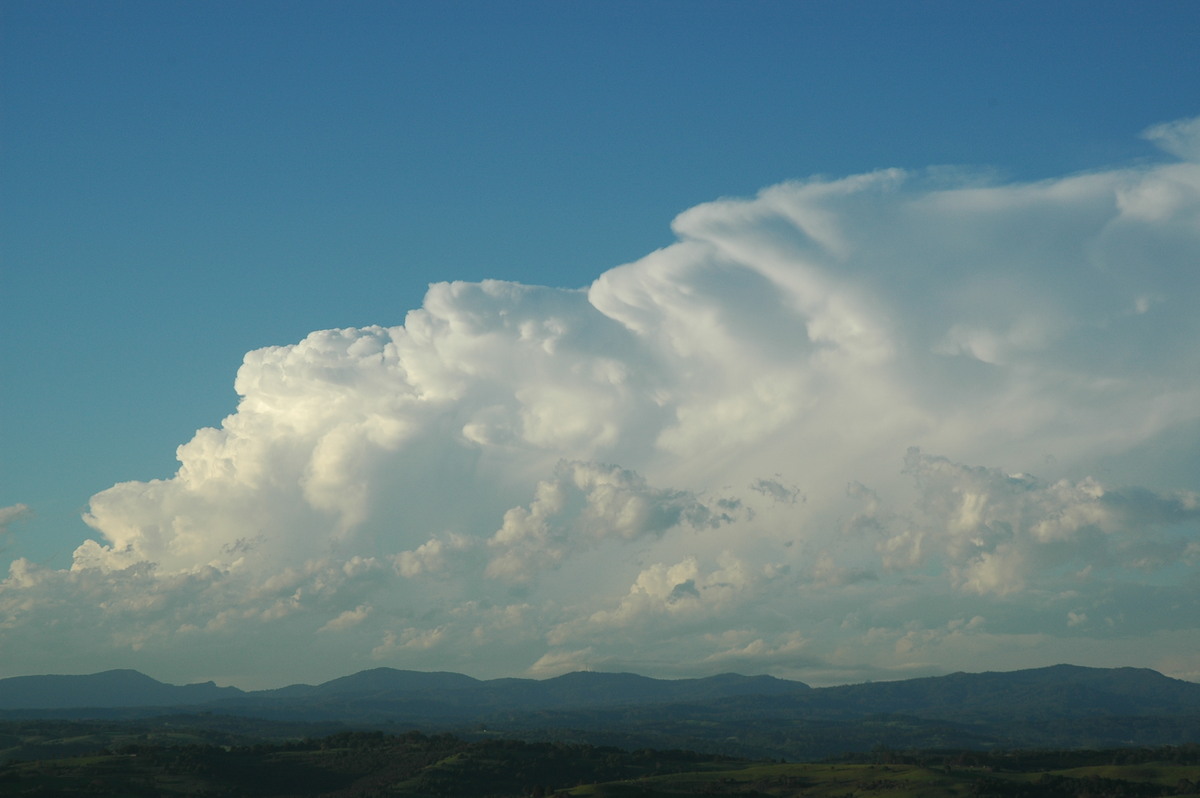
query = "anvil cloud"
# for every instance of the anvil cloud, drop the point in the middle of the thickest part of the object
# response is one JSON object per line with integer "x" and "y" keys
{"x": 895, "y": 423}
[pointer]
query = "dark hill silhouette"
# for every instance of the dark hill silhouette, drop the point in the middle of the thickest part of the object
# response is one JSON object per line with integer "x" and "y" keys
{"x": 1062, "y": 691}
{"x": 442, "y": 697}
{"x": 115, "y": 688}
{"x": 377, "y": 682}
{"x": 1058, "y": 691}
{"x": 433, "y": 693}
{"x": 1063, "y": 705}
{"x": 588, "y": 689}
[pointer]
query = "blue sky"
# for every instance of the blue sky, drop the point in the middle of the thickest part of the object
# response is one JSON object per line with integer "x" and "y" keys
{"x": 187, "y": 183}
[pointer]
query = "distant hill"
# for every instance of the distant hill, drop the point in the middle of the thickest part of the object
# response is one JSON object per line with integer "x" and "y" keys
{"x": 1059, "y": 691}
{"x": 379, "y": 686}
{"x": 376, "y": 682}
{"x": 1063, "y": 706}
{"x": 116, "y": 688}
{"x": 427, "y": 698}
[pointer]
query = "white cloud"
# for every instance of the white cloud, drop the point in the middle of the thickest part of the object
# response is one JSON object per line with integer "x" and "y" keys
{"x": 584, "y": 503}
{"x": 1180, "y": 138}
{"x": 12, "y": 513}
{"x": 9, "y": 516}
{"x": 347, "y": 619}
{"x": 432, "y": 556}
{"x": 678, "y": 589}
{"x": 758, "y": 653}
{"x": 993, "y": 530}
{"x": 700, "y": 458}
{"x": 559, "y": 662}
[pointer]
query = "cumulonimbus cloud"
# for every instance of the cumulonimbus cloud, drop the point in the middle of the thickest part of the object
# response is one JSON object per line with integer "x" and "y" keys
{"x": 518, "y": 476}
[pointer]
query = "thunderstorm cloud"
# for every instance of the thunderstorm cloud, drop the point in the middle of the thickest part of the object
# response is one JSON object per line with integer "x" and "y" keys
{"x": 892, "y": 423}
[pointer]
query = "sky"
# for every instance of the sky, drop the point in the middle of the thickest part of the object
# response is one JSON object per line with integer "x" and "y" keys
{"x": 839, "y": 341}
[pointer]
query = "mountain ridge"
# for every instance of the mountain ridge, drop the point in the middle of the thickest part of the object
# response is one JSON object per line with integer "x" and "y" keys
{"x": 131, "y": 688}
{"x": 1062, "y": 706}
{"x": 119, "y": 687}
{"x": 1120, "y": 691}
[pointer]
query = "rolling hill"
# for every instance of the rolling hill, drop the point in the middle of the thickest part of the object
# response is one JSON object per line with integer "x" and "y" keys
{"x": 1062, "y": 706}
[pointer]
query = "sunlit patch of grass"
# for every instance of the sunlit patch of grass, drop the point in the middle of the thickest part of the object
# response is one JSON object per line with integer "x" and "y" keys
{"x": 1165, "y": 774}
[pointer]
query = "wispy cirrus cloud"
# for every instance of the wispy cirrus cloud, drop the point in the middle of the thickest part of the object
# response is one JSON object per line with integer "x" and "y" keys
{"x": 11, "y": 514}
